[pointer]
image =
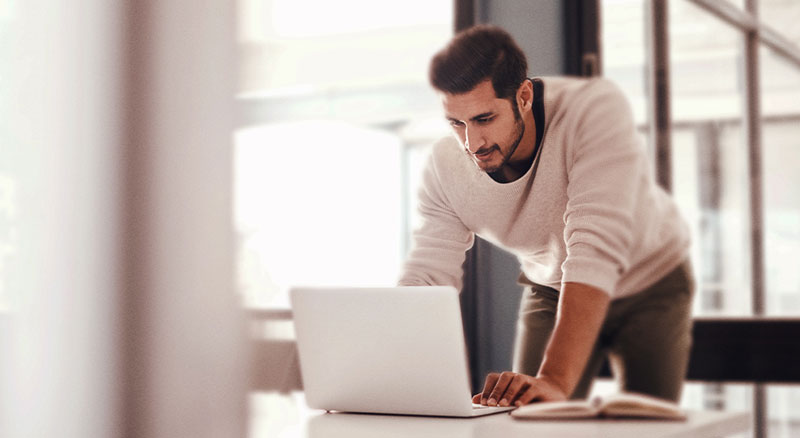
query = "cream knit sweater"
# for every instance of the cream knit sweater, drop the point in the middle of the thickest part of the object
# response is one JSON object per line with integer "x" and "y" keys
{"x": 592, "y": 213}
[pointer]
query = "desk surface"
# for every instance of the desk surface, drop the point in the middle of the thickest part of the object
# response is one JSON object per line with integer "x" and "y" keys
{"x": 304, "y": 422}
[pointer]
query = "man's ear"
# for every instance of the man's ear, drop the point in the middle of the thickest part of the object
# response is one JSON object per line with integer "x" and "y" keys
{"x": 525, "y": 95}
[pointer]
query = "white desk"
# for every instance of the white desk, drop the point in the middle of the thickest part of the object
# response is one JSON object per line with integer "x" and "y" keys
{"x": 306, "y": 423}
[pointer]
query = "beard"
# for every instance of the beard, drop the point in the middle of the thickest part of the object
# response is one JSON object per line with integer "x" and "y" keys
{"x": 520, "y": 131}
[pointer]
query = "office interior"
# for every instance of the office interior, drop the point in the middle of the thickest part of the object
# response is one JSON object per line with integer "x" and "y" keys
{"x": 169, "y": 168}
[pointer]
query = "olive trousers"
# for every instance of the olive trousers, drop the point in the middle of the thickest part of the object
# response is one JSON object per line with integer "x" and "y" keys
{"x": 646, "y": 337}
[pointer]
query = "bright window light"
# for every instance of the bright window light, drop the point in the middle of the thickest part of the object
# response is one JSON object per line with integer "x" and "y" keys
{"x": 317, "y": 203}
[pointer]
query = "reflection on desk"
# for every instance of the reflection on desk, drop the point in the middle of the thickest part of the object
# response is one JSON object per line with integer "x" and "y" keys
{"x": 317, "y": 424}
{"x": 390, "y": 426}
{"x": 699, "y": 425}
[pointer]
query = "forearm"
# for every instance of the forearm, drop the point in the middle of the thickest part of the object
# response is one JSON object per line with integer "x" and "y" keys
{"x": 581, "y": 311}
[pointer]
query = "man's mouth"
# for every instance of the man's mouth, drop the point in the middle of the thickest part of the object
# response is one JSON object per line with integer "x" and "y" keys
{"x": 483, "y": 155}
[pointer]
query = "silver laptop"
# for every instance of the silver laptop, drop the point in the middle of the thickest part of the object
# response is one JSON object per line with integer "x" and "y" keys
{"x": 397, "y": 350}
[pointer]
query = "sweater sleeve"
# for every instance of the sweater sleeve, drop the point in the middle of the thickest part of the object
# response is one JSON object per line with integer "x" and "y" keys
{"x": 605, "y": 164}
{"x": 439, "y": 244}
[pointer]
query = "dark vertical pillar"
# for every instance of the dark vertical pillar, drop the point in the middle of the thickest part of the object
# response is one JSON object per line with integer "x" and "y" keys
{"x": 660, "y": 112}
{"x": 582, "y": 46}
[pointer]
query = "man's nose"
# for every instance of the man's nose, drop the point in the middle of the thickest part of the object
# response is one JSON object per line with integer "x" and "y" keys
{"x": 473, "y": 139}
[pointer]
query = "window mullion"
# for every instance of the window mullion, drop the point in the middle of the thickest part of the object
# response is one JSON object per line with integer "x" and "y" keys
{"x": 659, "y": 109}
{"x": 747, "y": 21}
{"x": 753, "y": 130}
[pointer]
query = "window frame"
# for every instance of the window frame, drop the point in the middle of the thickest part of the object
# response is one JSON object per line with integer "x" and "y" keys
{"x": 720, "y": 344}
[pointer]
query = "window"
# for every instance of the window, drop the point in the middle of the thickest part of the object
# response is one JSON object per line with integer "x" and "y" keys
{"x": 734, "y": 160}
{"x": 780, "y": 112}
{"x": 332, "y": 108}
{"x": 710, "y": 155}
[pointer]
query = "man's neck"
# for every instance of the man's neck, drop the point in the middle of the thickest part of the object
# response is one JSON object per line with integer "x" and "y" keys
{"x": 523, "y": 157}
{"x": 512, "y": 171}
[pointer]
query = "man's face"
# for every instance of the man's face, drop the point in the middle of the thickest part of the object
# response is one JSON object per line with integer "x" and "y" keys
{"x": 487, "y": 127}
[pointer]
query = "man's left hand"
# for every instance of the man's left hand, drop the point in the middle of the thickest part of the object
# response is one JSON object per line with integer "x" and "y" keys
{"x": 508, "y": 388}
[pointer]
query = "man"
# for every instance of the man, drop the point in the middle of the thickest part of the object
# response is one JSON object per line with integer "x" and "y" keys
{"x": 551, "y": 170}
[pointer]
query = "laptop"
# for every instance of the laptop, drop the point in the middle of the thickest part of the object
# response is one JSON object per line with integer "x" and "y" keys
{"x": 397, "y": 350}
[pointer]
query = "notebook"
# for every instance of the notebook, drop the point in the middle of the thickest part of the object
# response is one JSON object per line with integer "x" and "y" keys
{"x": 397, "y": 350}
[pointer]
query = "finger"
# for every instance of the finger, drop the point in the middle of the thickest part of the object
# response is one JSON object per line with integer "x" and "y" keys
{"x": 500, "y": 387}
{"x": 530, "y": 394}
{"x": 488, "y": 386}
{"x": 514, "y": 387}
{"x": 521, "y": 391}
{"x": 477, "y": 398}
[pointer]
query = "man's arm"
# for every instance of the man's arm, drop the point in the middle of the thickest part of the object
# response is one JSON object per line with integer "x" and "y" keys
{"x": 442, "y": 239}
{"x": 581, "y": 311}
{"x": 606, "y": 172}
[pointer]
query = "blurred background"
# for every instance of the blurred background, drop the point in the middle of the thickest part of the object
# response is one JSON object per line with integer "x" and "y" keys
{"x": 168, "y": 169}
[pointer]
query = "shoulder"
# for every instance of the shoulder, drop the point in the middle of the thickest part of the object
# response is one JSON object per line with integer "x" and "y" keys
{"x": 576, "y": 91}
{"x": 446, "y": 148}
{"x": 447, "y": 157}
{"x": 448, "y": 167}
{"x": 580, "y": 104}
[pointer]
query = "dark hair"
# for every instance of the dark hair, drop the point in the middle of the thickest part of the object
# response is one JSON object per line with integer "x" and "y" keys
{"x": 475, "y": 55}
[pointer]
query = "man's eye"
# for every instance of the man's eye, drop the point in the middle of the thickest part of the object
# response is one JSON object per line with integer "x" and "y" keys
{"x": 456, "y": 123}
{"x": 485, "y": 120}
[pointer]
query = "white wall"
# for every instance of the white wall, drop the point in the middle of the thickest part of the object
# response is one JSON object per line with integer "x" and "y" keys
{"x": 119, "y": 314}
{"x": 60, "y": 117}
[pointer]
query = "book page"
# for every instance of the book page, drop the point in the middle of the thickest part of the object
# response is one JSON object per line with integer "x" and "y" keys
{"x": 556, "y": 410}
{"x": 639, "y": 405}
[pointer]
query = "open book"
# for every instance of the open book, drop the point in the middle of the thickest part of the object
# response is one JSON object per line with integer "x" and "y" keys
{"x": 623, "y": 405}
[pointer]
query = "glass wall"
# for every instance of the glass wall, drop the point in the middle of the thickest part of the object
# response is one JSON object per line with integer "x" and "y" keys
{"x": 330, "y": 104}
{"x": 708, "y": 112}
{"x": 335, "y": 115}
{"x": 710, "y": 167}
{"x": 780, "y": 110}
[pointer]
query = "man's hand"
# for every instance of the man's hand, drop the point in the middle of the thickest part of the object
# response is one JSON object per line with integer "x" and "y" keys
{"x": 515, "y": 389}
{"x": 581, "y": 311}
